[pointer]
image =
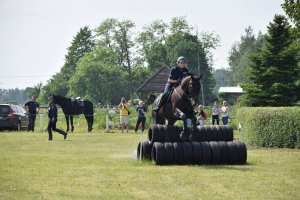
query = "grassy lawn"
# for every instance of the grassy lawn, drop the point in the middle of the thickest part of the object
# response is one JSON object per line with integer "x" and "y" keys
{"x": 101, "y": 166}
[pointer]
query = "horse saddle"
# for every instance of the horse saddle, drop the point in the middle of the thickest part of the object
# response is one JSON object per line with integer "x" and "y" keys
{"x": 79, "y": 102}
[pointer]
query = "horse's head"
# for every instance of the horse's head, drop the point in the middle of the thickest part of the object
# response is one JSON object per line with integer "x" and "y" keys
{"x": 151, "y": 98}
{"x": 57, "y": 98}
{"x": 191, "y": 86}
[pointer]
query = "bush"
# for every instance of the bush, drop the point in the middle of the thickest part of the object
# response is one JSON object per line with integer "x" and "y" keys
{"x": 270, "y": 127}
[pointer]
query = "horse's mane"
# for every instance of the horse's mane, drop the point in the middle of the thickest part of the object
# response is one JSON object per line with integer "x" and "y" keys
{"x": 62, "y": 97}
{"x": 185, "y": 82}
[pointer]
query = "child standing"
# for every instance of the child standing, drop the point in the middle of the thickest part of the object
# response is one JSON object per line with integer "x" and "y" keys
{"x": 202, "y": 116}
{"x": 141, "y": 109}
{"x": 225, "y": 112}
{"x": 215, "y": 113}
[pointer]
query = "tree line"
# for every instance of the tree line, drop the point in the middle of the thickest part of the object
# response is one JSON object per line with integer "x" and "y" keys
{"x": 113, "y": 59}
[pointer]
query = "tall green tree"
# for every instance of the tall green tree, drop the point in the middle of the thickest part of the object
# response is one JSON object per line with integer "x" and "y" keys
{"x": 239, "y": 56}
{"x": 119, "y": 35}
{"x": 98, "y": 77}
{"x": 292, "y": 9}
{"x": 82, "y": 43}
{"x": 274, "y": 68}
{"x": 161, "y": 44}
{"x": 151, "y": 41}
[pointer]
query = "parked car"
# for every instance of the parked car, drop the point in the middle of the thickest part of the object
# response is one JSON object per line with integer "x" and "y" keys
{"x": 13, "y": 117}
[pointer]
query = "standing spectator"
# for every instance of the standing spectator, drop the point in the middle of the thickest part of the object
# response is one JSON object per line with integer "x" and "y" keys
{"x": 215, "y": 113}
{"x": 202, "y": 116}
{"x": 141, "y": 109}
{"x": 32, "y": 107}
{"x": 52, "y": 114}
{"x": 124, "y": 112}
{"x": 225, "y": 112}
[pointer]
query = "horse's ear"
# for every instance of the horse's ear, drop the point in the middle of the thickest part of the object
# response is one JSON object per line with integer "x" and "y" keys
{"x": 199, "y": 78}
{"x": 190, "y": 74}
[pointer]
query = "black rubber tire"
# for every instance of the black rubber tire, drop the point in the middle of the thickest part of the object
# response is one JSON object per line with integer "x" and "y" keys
{"x": 194, "y": 136}
{"x": 170, "y": 154}
{"x": 225, "y": 133}
{"x": 234, "y": 152}
{"x": 138, "y": 150}
{"x": 167, "y": 134}
{"x": 242, "y": 152}
{"x": 146, "y": 150}
{"x": 220, "y": 133}
{"x": 214, "y": 132}
{"x": 153, "y": 134}
{"x": 158, "y": 153}
{"x": 216, "y": 152}
{"x": 161, "y": 132}
{"x": 206, "y": 153}
{"x": 178, "y": 150}
{"x": 197, "y": 151}
{"x": 208, "y": 133}
{"x": 176, "y": 134}
{"x": 229, "y": 132}
{"x": 225, "y": 152}
{"x": 202, "y": 133}
{"x": 187, "y": 153}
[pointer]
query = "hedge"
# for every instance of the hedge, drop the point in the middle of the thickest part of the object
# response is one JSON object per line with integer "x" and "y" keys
{"x": 270, "y": 126}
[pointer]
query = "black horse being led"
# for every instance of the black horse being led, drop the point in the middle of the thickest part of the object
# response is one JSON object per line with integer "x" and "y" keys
{"x": 76, "y": 107}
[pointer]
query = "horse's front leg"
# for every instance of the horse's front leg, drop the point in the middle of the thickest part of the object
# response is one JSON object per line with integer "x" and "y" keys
{"x": 67, "y": 121}
{"x": 72, "y": 127}
{"x": 185, "y": 133}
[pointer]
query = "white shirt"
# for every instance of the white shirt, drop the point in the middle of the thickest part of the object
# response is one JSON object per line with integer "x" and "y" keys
{"x": 225, "y": 111}
{"x": 216, "y": 110}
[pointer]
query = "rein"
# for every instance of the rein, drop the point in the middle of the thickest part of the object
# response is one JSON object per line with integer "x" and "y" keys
{"x": 184, "y": 94}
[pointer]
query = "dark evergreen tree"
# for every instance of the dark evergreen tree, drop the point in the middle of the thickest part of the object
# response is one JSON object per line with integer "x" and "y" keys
{"x": 274, "y": 68}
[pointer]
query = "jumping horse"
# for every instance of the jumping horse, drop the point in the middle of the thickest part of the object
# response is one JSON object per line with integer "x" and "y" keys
{"x": 181, "y": 103}
{"x": 76, "y": 107}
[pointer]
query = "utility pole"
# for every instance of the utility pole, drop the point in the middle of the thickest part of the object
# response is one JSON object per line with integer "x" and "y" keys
{"x": 199, "y": 69}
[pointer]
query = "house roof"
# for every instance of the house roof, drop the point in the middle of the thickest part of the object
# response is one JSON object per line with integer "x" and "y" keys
{"x": 231, "y": 90}
{"x": 157, "y": 82}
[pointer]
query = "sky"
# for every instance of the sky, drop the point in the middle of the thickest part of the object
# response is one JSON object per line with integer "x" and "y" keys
{"x": 35, "y": 34}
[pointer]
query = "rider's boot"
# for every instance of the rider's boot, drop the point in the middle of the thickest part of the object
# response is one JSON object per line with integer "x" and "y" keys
{"x": 161, "y": 102}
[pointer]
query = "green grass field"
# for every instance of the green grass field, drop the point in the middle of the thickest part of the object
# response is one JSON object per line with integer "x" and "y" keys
{"x": 102, "y": 166}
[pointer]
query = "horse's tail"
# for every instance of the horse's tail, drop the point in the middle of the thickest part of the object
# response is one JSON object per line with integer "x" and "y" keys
{"x": 150, "y": 100}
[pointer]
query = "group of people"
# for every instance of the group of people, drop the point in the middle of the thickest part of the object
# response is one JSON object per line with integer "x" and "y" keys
{"x": 32, "y": 107}
{"x": 124, "y": 115}
{"x": 216, "y": 112}
{"x": 176, "y": 75}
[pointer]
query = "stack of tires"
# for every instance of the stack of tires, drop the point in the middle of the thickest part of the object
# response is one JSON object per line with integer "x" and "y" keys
{"x": 207, "y": 145}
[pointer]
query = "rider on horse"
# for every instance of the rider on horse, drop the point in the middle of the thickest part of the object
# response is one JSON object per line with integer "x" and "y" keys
{"x": 175, "y": 77}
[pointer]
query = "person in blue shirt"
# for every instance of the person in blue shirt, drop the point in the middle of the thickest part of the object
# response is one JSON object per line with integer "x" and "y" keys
{"x": 32, "y": 107}
{"x": 176, "y": 75}
{"x": 141, "y": 109}
{"x": 52, "y": 114}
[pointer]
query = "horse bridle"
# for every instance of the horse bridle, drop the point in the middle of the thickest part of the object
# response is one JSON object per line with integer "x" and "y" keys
{"x": 187, "y": 96}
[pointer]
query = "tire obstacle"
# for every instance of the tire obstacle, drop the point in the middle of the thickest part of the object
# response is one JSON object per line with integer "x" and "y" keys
{"x": 208, "y": 145}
